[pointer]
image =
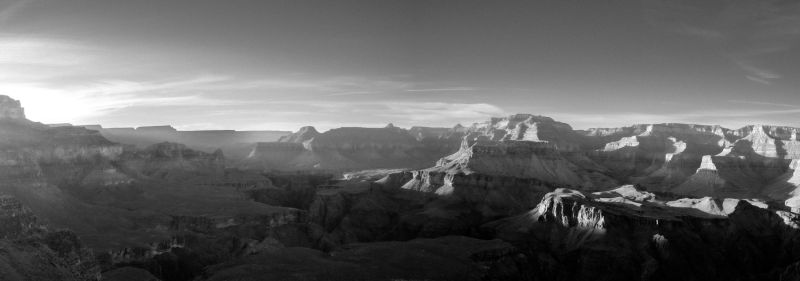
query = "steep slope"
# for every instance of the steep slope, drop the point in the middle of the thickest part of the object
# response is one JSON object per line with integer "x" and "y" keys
{"x": 631, "y": 235}
{"x": 304, "y": 134}
{"x": 526, "y": 127}
{"x": 786, "y": 188}
{"x": 123, "y": 202}
{"x": 32, "y": 252}
{"x": 747, "y": 167}
{"x": 659, "y": 156}
{"x": 487, "y": 164}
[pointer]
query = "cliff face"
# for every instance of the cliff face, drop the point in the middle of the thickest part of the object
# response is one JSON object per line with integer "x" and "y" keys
{"x": 11, "y": 109}
{"x": 173, "y": 161}
{"x": 755, "y": 165}
{"x": 304, "y": 134}
{"x": 487, "y": 166}
{"x": 630, "y": 235}
{"x": 787, "y": 187}
{"x": 522, "y": 148}
{"x": 346, "y": 149}
{"x": 685, "y": 159}
{"x": 526, "y": 127}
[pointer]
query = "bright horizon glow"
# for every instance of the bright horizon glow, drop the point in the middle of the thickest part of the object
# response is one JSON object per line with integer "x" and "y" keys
{"x": 262, "y": 65}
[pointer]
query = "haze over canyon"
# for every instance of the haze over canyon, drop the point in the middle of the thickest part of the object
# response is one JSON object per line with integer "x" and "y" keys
{"x": 520, "y": 197}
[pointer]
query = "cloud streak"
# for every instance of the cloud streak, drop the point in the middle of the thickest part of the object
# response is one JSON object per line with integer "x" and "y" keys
{"x": 748, "y": 33}
{"x": 763, "y": 103}
{"x": 452, "y": 89}
{"x": 16, "y": 51}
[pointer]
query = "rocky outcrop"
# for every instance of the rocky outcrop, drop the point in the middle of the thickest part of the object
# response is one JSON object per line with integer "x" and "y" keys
{"x": 526, "y": 127}
{"x": 661, "y": 157}
{"x": 632, "y": 235}
{"x": 772, "y": 141}
{"x": 706, "y": 181}
{"x": 506, "y": 160}
{"x": 11, "y": 109}
{"x": 304, "y": 134}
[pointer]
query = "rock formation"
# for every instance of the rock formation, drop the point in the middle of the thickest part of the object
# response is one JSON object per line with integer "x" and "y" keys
{"x": 304, "y": 134}
{"x": 630, "y": 235}
{"x": 522, "y": 197}
{"x": 346, "y": 149}
{"x": 11, "y": 109}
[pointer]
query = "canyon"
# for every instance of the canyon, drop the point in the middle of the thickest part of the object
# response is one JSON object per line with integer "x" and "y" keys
{"x": 521, "y": 197}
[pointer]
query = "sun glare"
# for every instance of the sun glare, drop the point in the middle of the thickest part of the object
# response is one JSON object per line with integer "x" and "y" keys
{"x": 48, "y": 105}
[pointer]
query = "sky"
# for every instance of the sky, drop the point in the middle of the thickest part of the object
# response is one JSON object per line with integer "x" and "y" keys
{"x": 283, "y": 64}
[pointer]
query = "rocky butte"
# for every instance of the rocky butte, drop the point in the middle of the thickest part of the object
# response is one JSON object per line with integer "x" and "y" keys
{"x": 10, "y": 109}
{"x": 522, "y": 197}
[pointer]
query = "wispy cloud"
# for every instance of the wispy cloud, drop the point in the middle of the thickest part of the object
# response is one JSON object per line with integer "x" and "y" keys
{"x": 120, "y": 87}
{"x": 67, "y": 80}
{"x": 763, "y": 103}
{"x": 76, "y": 104}
{"x": 353, "y": 93}
{"x": 441, "y": 111}
{"x": 451, "y": 89}
{"x": 755, "y": 73}
{"x": 748, "y": 33}
{"x": 17, "y": 51}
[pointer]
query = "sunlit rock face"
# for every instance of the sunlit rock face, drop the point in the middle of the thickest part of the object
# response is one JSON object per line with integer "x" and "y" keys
{"x": 304, "y": 134}
{"x": 696, "y": 160}
{"x": 526, "y": 127}
{"x": 659, "y": 156}
{"x": 772, "y": 141}
{"x": 629, "y": 234}
{"x": 488, "y": 165}
{"x": 756, "y": 165}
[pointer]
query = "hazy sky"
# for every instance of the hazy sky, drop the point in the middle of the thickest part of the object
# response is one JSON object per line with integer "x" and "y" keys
{"x": 268, "y": 64}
